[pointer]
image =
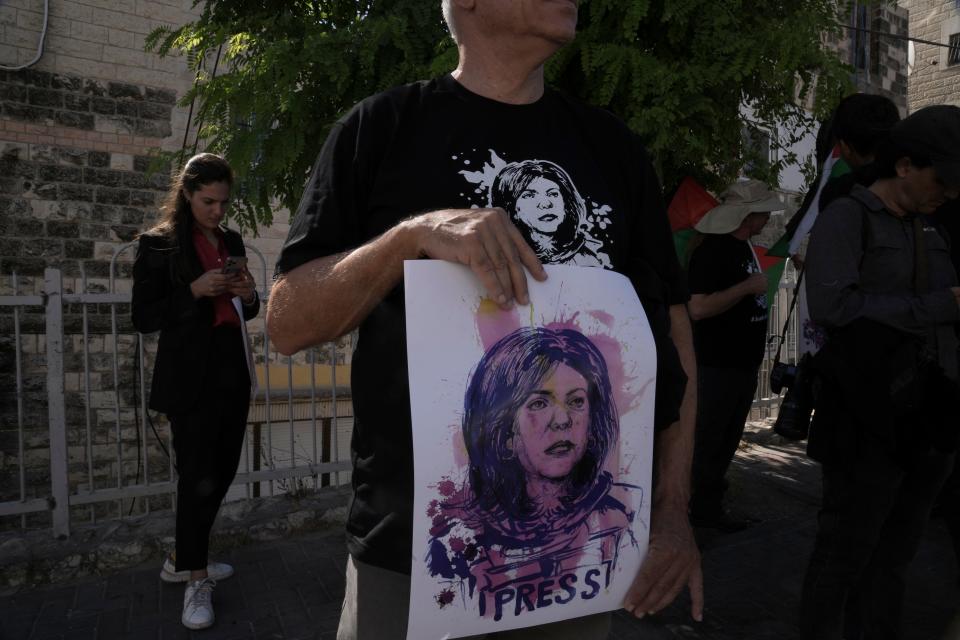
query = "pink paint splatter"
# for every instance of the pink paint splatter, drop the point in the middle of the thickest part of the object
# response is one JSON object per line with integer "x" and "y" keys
{"x": 494, "y": 323}
{"x": 433, "y": 509}
{"x": 446, "y": 487}
{"x": 603, "y": 317}
{"x": 457, "y": 544}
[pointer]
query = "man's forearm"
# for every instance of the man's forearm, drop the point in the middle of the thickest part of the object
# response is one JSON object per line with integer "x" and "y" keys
{"x": 674, "y": 445}
{"x": 326, "y": 298}
{"x": 713, "y": 304}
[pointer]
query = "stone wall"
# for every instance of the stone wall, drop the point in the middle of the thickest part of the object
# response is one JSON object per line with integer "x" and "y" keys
{"x": 879, "y": 63}
{"x": 932, "y": 79}
{"x": 78, "y": 131}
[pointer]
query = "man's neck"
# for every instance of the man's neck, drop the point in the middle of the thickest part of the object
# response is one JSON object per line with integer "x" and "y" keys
{"x": 501, "y": 75}
{"x": 885, "y": 190}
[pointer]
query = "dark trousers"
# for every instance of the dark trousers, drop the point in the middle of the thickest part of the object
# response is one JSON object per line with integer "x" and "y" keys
{"x": 870, "y": 526}
{"x": 724, "y": 398}
{"x": 208, "y": 440}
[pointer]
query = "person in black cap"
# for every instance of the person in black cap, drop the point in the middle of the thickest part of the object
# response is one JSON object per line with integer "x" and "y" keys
{"x": 880, "y": 279}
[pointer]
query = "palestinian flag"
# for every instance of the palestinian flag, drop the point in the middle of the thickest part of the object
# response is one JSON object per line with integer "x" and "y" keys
{"x": 802, "y": 222}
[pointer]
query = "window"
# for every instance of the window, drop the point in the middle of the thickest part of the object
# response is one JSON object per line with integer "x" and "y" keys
{"x": 953, "y": 53}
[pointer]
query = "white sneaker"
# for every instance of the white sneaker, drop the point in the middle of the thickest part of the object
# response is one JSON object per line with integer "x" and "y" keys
{"x": 216, "y": 571}
{"x": 198, "y": 604}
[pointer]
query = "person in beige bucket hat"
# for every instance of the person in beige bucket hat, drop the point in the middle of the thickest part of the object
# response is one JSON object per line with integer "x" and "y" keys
{"x": 736, "y": 203}
{"x": 728, "y": 304}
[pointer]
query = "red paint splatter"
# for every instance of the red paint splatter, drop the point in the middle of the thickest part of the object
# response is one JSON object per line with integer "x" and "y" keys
{"x": 433, "y": 509}
{"x": 457, "y": 544}
{"x": 440, "y": 523}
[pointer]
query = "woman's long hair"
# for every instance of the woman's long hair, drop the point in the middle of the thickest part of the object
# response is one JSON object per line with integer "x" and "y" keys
{"x": 200, "y": 170}
{"x": 506, "y": 375}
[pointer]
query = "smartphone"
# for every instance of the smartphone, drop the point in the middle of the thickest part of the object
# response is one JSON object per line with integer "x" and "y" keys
{"x": 233, "y": 265}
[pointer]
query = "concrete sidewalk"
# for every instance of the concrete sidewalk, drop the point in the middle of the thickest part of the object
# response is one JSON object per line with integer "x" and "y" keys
{"x": 292, "y": 589}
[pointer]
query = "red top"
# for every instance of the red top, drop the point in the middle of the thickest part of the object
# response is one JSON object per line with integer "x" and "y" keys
{"x": 213, "y": 258}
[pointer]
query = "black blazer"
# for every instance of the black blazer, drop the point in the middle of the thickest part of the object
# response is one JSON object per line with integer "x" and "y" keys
{"x": 162, "y": 301}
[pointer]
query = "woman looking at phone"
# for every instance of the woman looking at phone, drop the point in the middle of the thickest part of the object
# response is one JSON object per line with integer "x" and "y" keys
{"x": 189, "y": 285}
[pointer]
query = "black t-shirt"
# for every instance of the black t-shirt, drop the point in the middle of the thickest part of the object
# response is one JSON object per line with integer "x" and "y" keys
{"x": 574, "y": 178}
{"x": 737, "y": 337}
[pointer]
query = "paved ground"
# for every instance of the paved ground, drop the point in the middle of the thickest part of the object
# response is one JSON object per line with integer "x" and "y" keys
{"x": 291, "y": 590}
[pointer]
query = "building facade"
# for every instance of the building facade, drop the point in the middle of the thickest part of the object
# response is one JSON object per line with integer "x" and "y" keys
{"x": 935, "y": 63}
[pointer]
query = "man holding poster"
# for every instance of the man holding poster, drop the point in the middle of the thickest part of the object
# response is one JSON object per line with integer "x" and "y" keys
{"x": 576, "y": 188}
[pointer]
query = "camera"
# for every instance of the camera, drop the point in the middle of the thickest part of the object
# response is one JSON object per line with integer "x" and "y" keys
{"x": 793, "y": 419}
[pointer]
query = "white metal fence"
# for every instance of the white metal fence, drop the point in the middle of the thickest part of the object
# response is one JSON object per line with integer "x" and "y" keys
{"x": 77, "y": 442}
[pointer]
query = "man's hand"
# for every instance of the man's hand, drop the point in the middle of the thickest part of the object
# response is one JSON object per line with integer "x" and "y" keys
{"x": 486, "y": 241}
{"x": 672, "y": 562}
{"x": 755, "y": 283}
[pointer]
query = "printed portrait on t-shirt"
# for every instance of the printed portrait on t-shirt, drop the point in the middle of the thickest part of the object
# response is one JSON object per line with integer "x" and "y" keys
{"x": 545, "y": 205}
{"x": 539, "y": 421}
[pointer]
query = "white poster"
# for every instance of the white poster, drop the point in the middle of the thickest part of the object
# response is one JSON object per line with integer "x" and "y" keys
{"x": 532, "y": 438}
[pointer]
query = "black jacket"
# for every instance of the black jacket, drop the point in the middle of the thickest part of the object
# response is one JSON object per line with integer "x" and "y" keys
{"x": 162, "y": 301}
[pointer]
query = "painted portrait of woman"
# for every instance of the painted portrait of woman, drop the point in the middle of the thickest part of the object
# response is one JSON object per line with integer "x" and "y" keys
{"x": 543, "y": 202}
{"x": 539, "y": 423}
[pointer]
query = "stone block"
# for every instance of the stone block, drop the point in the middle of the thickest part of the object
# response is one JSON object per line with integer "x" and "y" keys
{"x": 30, "y": 77}
{"x": 153, "y": 128}
{"x": 103, "y": 106}
{"x": 94, "y": 88}
{"x": 103, "y": 177}
{"x": 76, "y": 157}
{"x": 124, "y": 90}
{"x": 121, "y": 161}
{"x": 14, "y": 151}
{"x": 45, "y": 97}
{"x": 83, "y": 121}
{"x": 41, "y": 190}
{"x": 141, "y": 163}
{"x": 127, "y": 108}
{"x": 104, "y": 213}
{"x": 60, "y": 173}
{"x": 136, "y": 180}
{"x": 129, "y": 215}
{"x": 66, "y": 82}
{"x": 28, "y": 113}
{"x": 63, "y": 229}
{"x": 163, "y": 96}
{"x": 80, "y": 192}
{"x": 13, "y": 92}
{"x": 143, "y": 198}
{"x": 13, "y": 167}
{"x": 43, "y": 248}
{"x": 75, "y": 102}
{"x": 23, "y": 266}
{"x": 88, "y": 32}
{"x": 78, "y": 249}
{"x": 106, "y": 195}
{"x": 99, "y": 159}
{"x": 89, "y": 230}
{"x": 154, "y": 111}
